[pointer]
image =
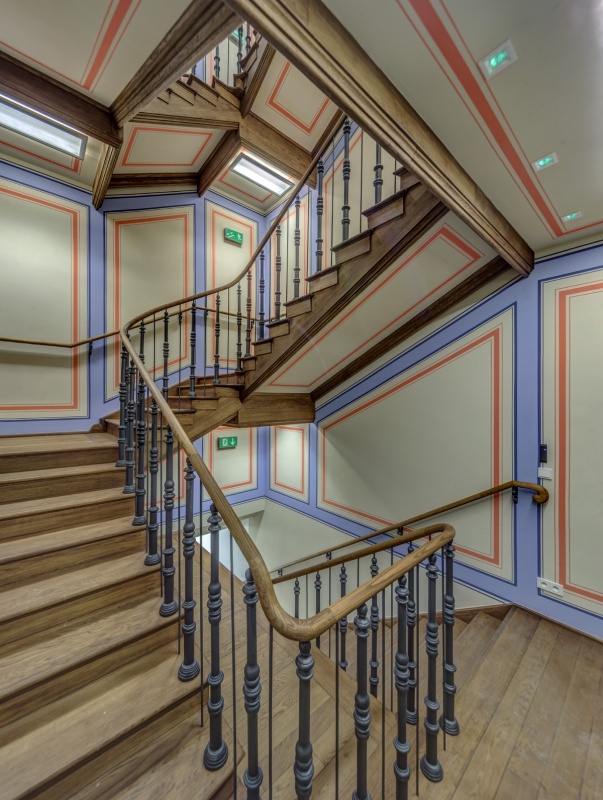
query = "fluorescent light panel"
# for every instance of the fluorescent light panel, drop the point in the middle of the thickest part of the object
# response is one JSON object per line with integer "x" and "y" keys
{"x": 24, "y": 120}
{"x": 260, "y": 175}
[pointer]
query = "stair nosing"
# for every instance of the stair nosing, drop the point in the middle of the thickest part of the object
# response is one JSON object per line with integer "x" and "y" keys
{"x": 19, "y": 509}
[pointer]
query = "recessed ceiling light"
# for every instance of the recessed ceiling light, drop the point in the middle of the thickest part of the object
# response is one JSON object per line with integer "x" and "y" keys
{"x": 261, "y": 175}
{"x": 28, "y": 122}
{"x": 544, "y": 162}
{"x": 571, "y": 217}
{"x": 498, "y": 59}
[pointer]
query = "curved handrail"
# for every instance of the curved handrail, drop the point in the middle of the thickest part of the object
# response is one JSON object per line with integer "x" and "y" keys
{"x": 540, "y": 496}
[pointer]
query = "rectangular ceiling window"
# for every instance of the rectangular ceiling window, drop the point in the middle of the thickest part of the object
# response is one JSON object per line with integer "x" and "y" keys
{"x": 261, "y": 175}
{"x": 34, "y": 125}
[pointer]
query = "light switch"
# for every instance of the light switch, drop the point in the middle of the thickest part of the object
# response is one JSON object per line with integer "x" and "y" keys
{"x": 546, "y": 473}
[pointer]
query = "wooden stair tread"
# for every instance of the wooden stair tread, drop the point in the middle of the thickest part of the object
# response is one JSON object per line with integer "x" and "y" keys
{"x": 50, "y": 505}
{"x": 44, "y": 543}
{"x": 20, "y": 669}
{"x": 16, "y": 602}
{"x": 89, "y": 720}
{"x": 57, "y": 472}
{"x": 19, "y": 445}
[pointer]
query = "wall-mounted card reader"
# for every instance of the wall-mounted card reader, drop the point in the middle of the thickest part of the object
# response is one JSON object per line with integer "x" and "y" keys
{"x": 544, "y": 451}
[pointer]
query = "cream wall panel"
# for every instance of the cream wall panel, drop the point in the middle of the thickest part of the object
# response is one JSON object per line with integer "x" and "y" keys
{"x": 150, "y": 261}
{"x": 235, "y": 470}
{"x": 572, "y": 387}
{"x": 443, "y": 429}
{"x": 289, "y": 460}
{"x": 440, "y": 259}
{"x": 44, "y": 265}
{"x": 224, "y": 261}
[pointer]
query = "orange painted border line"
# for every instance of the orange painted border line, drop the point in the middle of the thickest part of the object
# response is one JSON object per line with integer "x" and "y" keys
{"x": 301, "y": 430}
{"x": 76, "y": 165}
{"x": 75, "y": 268}
{"x": 147, "y": 129}
{"x": 273, "y": 103}
{"x": 210, "y": 460}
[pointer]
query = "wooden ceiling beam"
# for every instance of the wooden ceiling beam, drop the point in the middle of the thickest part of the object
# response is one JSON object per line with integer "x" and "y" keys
{"x": 314, "y": 40}
{"x": 218, "y": 161}
{"x": 40, "y": 92}
{"x": 203, "y": 25}
{"x": 104, "y": 172}
{"x": 266, "y": 142}
{"x": 198, "y": 113}
{"x": 480, "y": 278}
{"x": 128, "y": 179}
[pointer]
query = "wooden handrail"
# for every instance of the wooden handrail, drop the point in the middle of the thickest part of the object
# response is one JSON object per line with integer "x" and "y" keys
{"x": 147, "y": 320}
{"x": 540, "y": 496}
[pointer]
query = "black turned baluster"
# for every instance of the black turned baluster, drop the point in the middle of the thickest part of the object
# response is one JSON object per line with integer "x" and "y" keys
{"x": 217, "y": 349}
{"x": 411, "y": 617}
{"x": 317, "y": 587}
{"x": 378, "y": 182}
{"x": 345, "y": 171}
{"x": 296, "y": 592}
{"x": 248, "y": 309}
{"x": 191, "y": 381}
{"x": 247, "y": 39}
{"x": 239, "y": 367}
{"x": 430, "y": 766}
{"x": 262, "y": 287}
{"x": 216, "y": 751}
{"x": 129, "y": 487}
{"x": 217, "y": 62}
{"x": 303, "y": 768}
{"x": 141, "y": 435}
{"x": 252, "y": 777}
{"x": 240, "y": 49}
{"x": 166, "y": 354}
{"x": 296, "y": 244}
{"x": 362, "y": 706}
{"x": 343, "y": 623}
{"x": 153, "y": 556}
{"x": 278, "y": 267}
{"x": 189, "y": 668}
{"x": 401, "y": 674}
{"x": 448, "y": 721}
{"x": 320, "y": 205}
{"x": 123, "y": 403}
{"x": 169, "y": 605}
{"x": 374, "y": 662}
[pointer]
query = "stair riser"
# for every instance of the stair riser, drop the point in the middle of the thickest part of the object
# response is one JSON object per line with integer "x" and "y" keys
{"x": 74, "y": 607}
{"x": 68, "y": 458}
{"x": 66, "y": 518}
{"x": 85, "y": 776}
{"x": 45, "y": 564}
{"x": 53, "y": 487}
{"x": 53, "y": 687}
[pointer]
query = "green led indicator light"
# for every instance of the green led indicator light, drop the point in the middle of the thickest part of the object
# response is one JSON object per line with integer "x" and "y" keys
{"x": 498, "y": 58}
{"x": 544, "y": 162}
{"x": 227, "y": 442}
{"x": 572, "y": 216}
{"x": 230, "y": 235}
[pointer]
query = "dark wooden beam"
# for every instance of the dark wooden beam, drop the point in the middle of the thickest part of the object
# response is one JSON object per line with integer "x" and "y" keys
{"x": 257, "y": 77}
{"x": 198, "y": 114}
{"x": 201, "y": 27}
{"x": 330, "y": 131}
{"x": 42, "y": 93}
{"x": 218, "y": 161}
{"x": 275, "y": 409}
{"x": 268, "y": 143}
{"x": 124, "y": 179}
{"x": 314, "y": 40}
{"x": 480, "y": 278}
{"x": 104, "y": 171}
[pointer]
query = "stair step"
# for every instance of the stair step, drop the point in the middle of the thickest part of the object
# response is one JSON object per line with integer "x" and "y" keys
{"x": 31, "y": 556}
{"x": 55, "y": 513}
{"x": 169, "y": 766}
{"x": 248, "y": 363}
{"x": 356, "y": 246}
{"x": 278, "y": 328}
{"x": 21, "y": 453}
{"x": 94, "y": 720}
{"x": 66, "y": 595}
{"x": 36, "y": 483}
{"x": 263, "y": 347}
{"x": 301, "y": 305}
{"x": 323, "y": 279}
{"x": 39, "y": 673}
{"x": 386, "y": 210}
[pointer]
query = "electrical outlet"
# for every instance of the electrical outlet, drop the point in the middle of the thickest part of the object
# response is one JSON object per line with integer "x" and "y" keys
{"x": 550, "y": 587}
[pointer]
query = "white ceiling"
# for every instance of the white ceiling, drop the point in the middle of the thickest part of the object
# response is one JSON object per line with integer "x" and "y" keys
{"x": 547, "y": 101}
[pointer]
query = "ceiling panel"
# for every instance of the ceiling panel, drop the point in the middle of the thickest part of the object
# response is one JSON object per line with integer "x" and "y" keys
{"x": 166, "y": 148}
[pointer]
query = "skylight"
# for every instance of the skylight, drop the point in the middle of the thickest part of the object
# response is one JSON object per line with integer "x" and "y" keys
{"x": 24, "y": 120}
{"x": 261, "y": 175}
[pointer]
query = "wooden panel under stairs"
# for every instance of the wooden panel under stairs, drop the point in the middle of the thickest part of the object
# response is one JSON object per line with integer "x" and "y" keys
{"x": 20, "y": 453}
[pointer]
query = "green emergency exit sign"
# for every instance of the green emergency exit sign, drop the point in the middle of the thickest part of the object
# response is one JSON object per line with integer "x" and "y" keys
{"x": 230, "y": 235}
{"x": 227, "y": 442}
